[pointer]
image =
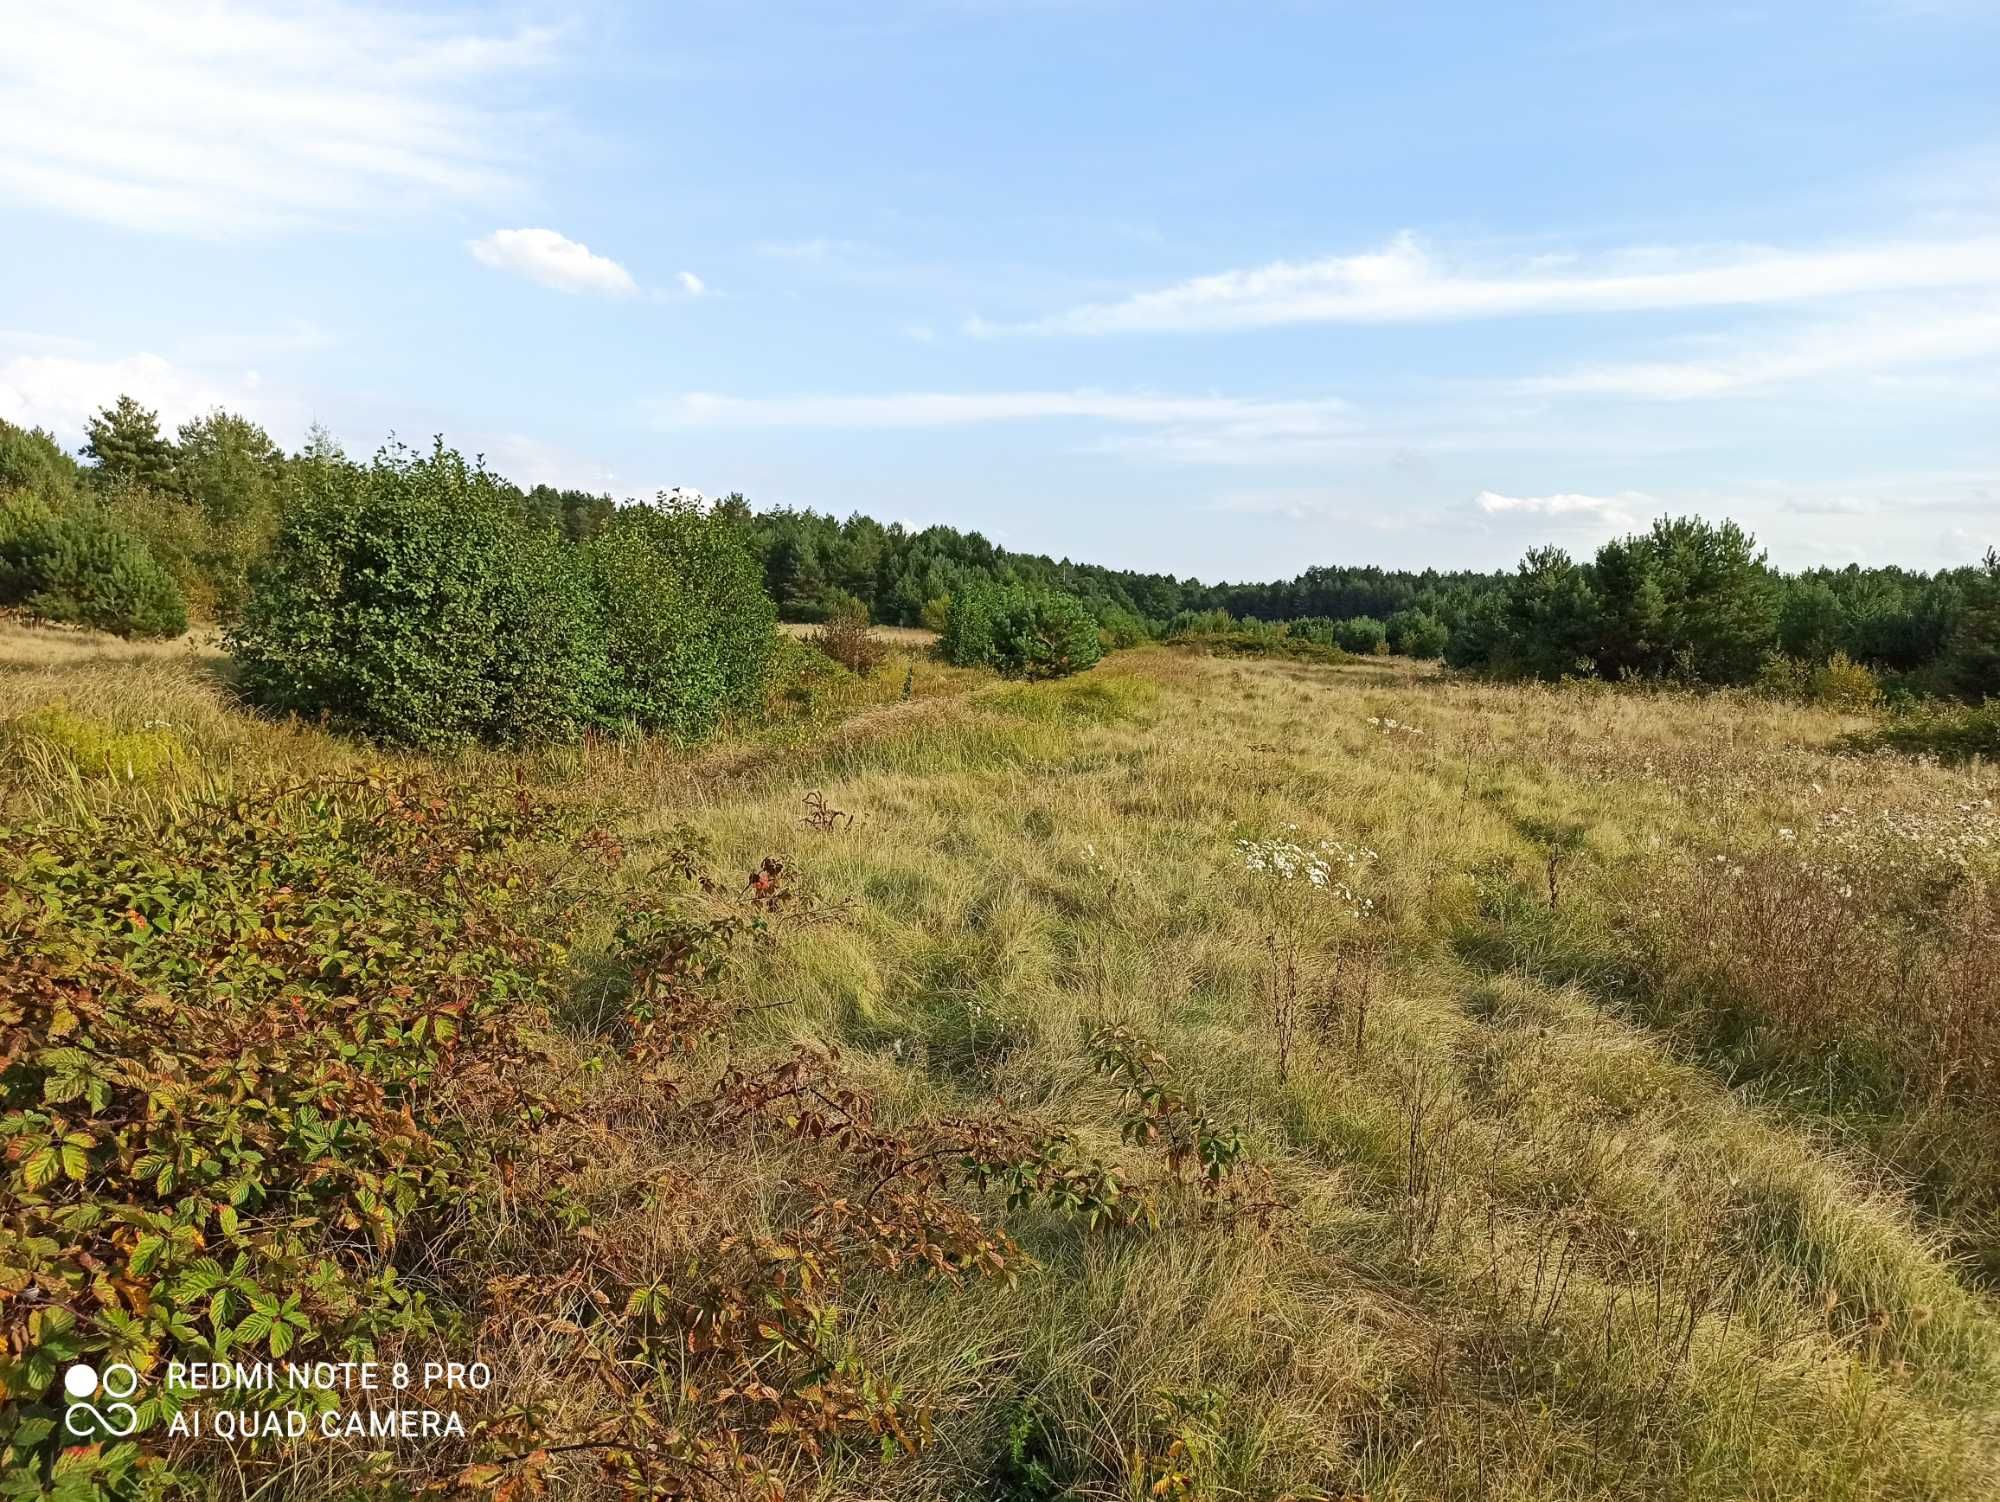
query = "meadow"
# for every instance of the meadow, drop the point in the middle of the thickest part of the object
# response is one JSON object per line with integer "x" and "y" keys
{"x": 1205, "y": 1076}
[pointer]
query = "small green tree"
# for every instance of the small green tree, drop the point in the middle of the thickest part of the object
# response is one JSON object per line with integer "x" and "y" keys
{"x": 78, "y": 564}
{"x": 1021, "y": 632}
{"x": 1719, "y": 612}
{"x": 124, "y": 442}
{"x": 1551, "y": 615}
{"x": 31, "y": 459}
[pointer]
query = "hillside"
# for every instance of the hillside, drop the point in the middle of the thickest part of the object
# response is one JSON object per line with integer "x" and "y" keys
{"x": 1199, "y": 1077}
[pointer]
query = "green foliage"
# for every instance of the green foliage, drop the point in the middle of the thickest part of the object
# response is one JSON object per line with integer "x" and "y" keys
{"x": 31, "y": 459}
{"x": 225, "y": 1047}
{"x": 689, "y": 629}
{"x": 1363, "y": 635}
{"x": 936, "y": 614}
{"x": 1974, "y": 662}
{"x": 1119, "y": 628}
{"x": 1414, "y": 633}
{"x": 1551, "y": 616}
{"x": 77, "y": 564}
{"x": 1719, "y": 609}
{"x": 124, "y": 442}
{"x": 1020, "y": 632}
{"x": 393, "y": 607}
{"x": 96, "y": 747}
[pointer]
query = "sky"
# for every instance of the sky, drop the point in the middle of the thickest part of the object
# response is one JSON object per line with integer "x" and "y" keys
{"x": 1221, "y": 290}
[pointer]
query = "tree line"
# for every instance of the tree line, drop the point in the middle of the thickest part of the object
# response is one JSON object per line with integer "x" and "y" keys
{"x": 142, "y": 529}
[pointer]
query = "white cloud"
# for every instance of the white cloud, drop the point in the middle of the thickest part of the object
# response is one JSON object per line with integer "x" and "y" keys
{"x": 553, "y": 260}
{"x": 691, "y": 284}
{"x": 529, "y": 462}
{"x": 1404, "y": 282}
{"x": 1879, "y": 341}
{"x": 60, "y": 391}
{"x": 933, "y": 409}
{"x": 246, "y": 116}
{"x": 1568, "y": 510}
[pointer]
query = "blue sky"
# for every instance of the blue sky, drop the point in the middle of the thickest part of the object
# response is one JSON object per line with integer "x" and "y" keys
{"x": 1224, "y": 290}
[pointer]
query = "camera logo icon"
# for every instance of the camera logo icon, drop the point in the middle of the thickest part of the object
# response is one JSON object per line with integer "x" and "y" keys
{"x": 116, "y": 1418}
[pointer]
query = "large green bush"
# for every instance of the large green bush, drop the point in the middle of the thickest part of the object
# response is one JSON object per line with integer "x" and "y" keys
{"x": 407, "y": 602}
{"x": 76, "y": 563}
{"x": 689, "y": 627}
{"x": 1361, "y": 634}
{"x": 1020, "y": 632}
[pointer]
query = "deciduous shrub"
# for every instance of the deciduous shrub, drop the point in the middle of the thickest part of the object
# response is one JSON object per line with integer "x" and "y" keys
{"x": 1020, "y": 632}
{"x": 1362, "y": 635}
{"x": 1415, "y": 633}
{"x": 689, "y": 627}
{"x": 406, "y": 602}
{"x": 75, "y": 563}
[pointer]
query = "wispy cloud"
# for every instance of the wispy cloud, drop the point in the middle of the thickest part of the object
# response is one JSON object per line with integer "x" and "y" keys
{"x": 555, "y": 260}
{"x": 1879, "y": 341}
{"x": 1404, "y": 281}
{"x": 230, "y": 117}
{"x": 941, "y": 409}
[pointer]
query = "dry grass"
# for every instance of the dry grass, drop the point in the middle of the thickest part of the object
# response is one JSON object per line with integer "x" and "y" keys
{"x": 1548, "y": 1236}
{"x": 909, "y": 638}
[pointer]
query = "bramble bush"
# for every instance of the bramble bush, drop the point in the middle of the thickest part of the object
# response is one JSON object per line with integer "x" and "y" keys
{"x": 1020, "y": 632}
{"x": 227, "y": 1042}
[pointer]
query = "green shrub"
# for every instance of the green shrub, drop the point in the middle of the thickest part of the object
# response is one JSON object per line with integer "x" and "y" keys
{"x": 1416, "y": 633}
{"x": 689, "y": 627}
{"x": 1021, "y": 632}
{"x": 405, "y": 601}
{"x": 77, "y": 564}
{"x": 935, "y": 614}
{"x": 1118, "y": 628}
{"x": 1363, "y": 635}
{"x": 1318, "y": 629}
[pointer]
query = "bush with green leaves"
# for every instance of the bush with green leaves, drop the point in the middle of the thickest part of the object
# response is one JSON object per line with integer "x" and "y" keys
{"x": 75, "y": 563}
{"x": 1020, "y": 632}
{"x": 689, "y": 629}
{"x": 405, "y": 601}
{"x": 1417, "y": 633}
{"x": 1361, "y": 634}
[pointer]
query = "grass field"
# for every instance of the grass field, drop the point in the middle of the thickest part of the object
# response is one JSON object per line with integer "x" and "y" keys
{"x": 1428, "y": 1089}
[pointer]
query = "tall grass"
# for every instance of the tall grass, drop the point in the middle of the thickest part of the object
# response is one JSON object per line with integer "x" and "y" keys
{"x": 1607, "y": 1169}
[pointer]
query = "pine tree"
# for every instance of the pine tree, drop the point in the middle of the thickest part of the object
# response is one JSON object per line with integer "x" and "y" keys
{"x": 124, "y": 440}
